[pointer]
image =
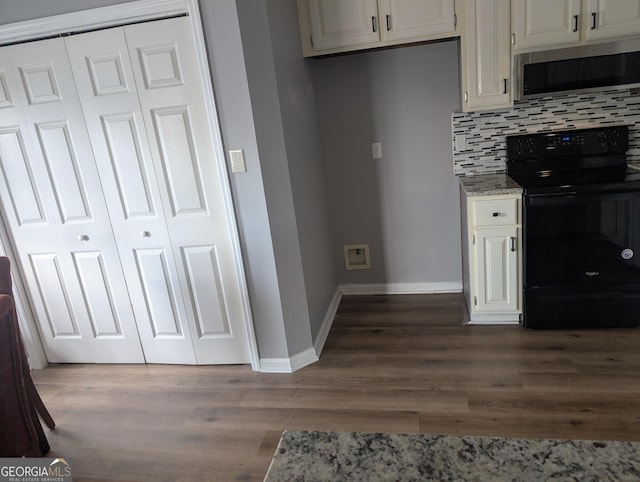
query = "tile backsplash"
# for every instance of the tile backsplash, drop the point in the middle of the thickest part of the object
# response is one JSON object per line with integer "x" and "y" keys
{"x": 486, "y": 132}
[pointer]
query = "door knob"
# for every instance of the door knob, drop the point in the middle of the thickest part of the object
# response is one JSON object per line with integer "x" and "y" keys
{"x": 145, "y": 234}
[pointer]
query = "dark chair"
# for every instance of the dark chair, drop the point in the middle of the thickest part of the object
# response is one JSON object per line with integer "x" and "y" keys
{"x": 21, "y": 433}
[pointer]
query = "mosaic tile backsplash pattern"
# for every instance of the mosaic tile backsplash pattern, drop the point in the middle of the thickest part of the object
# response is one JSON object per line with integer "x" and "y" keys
{"x": 486, "y": 132}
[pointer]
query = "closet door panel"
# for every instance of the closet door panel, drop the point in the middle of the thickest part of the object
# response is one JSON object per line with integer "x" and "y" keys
{"x": 23, "y": 202}
{"x": 111, "y": 184}
{"x": 5, "y": 97}
{"x": 159, "y": 293}
{"x": 122, "y": 138}
{"x": 97, "y": 290}
{"x": 55, "y": 212}
{"x": 188, "y": 162}
{"x": 206, "y": 289}
{"x": 174, "y": 134}
{"x": 60, "y": 316}
{"x": 109, "y": 97}
{"x": 65, "y": 175}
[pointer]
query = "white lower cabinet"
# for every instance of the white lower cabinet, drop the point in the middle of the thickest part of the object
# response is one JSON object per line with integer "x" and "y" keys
{"x": 495, "y": 256}
{"x": 492, "y": 257}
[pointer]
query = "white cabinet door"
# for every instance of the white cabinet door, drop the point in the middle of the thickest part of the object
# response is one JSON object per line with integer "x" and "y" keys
{"x": 613, "y": 18}
{"x": 539, "y": 23}
{"x": 486, "y": 55}
{"x": 496, "y": 258}
{"x": 404, "y": 19}
{"x": 54, "y": 209}
{"x": 343, "y": 23}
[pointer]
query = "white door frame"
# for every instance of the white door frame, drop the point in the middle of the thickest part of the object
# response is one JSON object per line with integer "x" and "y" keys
{"x": 119, "y": 14}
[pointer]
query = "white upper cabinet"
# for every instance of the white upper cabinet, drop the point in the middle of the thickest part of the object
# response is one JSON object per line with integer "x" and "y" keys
{"x": 406, "y": 19}
{"x": 333, "y": 26}
{"x": 559, "y": 23}
{"x": 613, "y": 18}
{"x": 545, "y": 22}
{"x": 486, "y": 55}
{"x": 337, "y": 24}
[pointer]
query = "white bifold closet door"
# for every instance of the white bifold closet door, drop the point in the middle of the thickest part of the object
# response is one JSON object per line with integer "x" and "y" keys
{"x": 121, "y": 225}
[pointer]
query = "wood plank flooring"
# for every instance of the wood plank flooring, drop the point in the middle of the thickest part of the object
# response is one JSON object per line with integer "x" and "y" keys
{"x": 401, "y": 363}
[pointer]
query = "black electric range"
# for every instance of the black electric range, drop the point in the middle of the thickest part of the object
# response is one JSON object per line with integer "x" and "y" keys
{"x": 581, "y": 228}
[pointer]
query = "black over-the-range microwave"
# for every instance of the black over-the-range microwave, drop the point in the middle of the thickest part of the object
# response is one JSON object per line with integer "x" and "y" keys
{"x": 580, "y": 68}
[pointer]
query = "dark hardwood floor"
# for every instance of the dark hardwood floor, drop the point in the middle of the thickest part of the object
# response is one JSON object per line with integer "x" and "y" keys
{"x": 391, "y": 364}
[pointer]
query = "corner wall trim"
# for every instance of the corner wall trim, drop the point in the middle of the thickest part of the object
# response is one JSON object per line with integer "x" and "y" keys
{"x": 401, "y": 288}
{"x": 288, "y": 365}
{"x": 323, "y": 333}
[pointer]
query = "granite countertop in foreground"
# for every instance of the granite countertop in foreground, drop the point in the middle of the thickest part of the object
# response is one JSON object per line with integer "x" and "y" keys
{"x": 343, "y": 456}
{"x": 489, "y": 185}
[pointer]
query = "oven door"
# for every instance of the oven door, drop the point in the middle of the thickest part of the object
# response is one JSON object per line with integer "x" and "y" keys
{"x": 582, "y": 259}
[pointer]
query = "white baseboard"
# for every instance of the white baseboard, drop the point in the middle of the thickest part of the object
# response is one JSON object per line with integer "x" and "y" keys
{"x": 310, "y": 355}
{"x": 288, "y": 365}
{"x": 303, "y": 359}
{"x": 401, "y": 288}
{"x": 321, "y": 338}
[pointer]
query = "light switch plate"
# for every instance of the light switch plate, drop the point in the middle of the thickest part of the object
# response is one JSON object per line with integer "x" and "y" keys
{"x": 376, "y": 150}
{"x": 237, "y": 161}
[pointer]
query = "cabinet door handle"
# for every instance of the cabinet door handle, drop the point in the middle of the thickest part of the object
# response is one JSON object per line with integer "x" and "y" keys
{"x": 373, "y": 24}
{"x": 575, "y": 23}
{"x": 496, "y": 214}
{"x": 594, "y": 16}
{"x": 513, "y": 243}
{"x": 504, "y": 86}
{"x": 388, "y": 22}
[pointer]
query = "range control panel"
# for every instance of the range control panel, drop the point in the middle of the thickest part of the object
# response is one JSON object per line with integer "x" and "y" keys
{"x": 582, "y": 142}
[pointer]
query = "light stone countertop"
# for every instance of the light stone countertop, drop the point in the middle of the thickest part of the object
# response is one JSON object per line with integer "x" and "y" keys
{"x": 489, "y": 185}
{"x": 341, "y": 456}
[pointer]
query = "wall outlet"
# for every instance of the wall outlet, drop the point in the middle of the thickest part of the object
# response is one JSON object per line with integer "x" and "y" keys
{"x": 356, "y": 256}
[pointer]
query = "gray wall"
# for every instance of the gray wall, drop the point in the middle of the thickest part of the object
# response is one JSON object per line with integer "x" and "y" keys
{"x": 231, "y": 86}
{"x": 288, "y": 148}
{"x": 304, "y": 153}
{"x": 405, "y": 206}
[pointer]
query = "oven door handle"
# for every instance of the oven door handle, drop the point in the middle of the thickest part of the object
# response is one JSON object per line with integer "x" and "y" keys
{"x": 533, "y": 200}
{"x": 547, "y": 199}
